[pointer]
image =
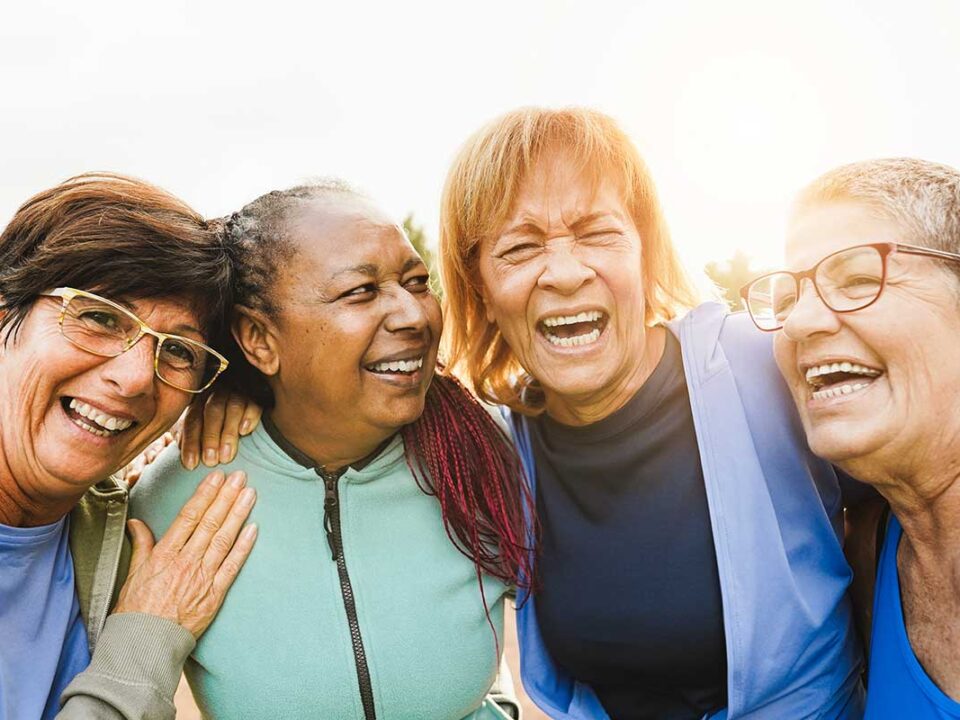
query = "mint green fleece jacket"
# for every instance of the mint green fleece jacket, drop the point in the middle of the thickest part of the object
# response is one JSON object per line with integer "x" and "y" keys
{"x": 281, "y": 645}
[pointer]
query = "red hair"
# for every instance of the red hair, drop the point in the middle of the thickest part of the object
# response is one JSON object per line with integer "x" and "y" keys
{"x": 458, "y": 453}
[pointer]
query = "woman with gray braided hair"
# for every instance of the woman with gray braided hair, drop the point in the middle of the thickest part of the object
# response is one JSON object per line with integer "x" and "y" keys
{"x": 390, "y": 502}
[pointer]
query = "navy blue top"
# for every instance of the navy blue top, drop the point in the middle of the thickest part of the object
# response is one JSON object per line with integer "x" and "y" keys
{"x": 630, "y": 599}
{"x": 899, "y": 686}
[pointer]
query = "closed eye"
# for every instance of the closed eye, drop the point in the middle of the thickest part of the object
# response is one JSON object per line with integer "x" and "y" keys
{"x": 518, "y": 250}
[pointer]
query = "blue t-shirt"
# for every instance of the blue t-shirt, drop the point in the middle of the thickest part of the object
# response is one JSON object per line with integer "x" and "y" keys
{"x": 899, "y": 687}
{"x": 43, "y": 642}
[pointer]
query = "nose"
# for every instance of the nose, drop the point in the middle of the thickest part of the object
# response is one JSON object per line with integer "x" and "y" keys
{"x": 563, "y": 271}
{"x": 405, "y": 311}
{"x": 810, "y": 316}
{"x": 132, "y": 373}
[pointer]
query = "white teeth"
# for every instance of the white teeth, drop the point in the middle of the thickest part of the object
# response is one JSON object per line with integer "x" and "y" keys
{"x": 89, "y": 428}
{"x": 575, "y": 340}
{"x": 591, "y": 316}
{"x": 846, "y": 367}
{"x": 109, "y": 422}
{"x": 405, "y": 366}
{"x": 836, "y": 391}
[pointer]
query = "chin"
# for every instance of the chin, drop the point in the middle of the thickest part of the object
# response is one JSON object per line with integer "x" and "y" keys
{"x": 839, "y": 445}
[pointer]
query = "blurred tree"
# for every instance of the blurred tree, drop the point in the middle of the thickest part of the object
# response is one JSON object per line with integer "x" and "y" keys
{"x": 732, "y": 274}
{"x": 418, "y": 238}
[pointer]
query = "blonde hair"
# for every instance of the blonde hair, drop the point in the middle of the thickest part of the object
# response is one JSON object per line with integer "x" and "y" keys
{"x": 478, "y": 196}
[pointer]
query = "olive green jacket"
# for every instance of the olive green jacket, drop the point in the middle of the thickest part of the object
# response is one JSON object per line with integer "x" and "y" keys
{"x": 136, "y": 659}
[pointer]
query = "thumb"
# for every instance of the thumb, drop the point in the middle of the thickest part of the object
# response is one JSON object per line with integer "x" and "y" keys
{"x": 142, "y": 540}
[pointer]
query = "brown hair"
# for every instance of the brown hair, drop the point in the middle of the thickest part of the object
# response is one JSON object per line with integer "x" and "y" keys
{"x": 117, "y": 236}
{"x": 478, "y": 196}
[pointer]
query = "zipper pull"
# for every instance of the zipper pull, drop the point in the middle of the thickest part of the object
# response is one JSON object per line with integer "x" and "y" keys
{"x": 329, "y": 508}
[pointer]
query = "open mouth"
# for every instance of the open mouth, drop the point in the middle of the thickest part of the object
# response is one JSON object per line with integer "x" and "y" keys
{"x": 396, "y": 367}
{"x": 94, "y": 420}
{"x": 840, "y": 378}
{"x": 573, "y": 330}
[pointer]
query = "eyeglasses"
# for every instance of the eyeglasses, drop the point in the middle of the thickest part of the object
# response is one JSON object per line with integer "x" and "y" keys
{"x": 102, "y": 327}
{"x": 845, "y": 281}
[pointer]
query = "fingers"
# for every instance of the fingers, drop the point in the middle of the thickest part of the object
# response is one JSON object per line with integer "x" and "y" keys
{"x": 190, "y": 435}
{"x": 142, "y": 540}
{"x": 213, "y": 415}
{"x": 226, "y": 536}
{"x": 215, "y": 516}
{"x": 231, "y": 566}
{"x": 251, "y": 418}
{"x": 235, "y": 412}
{"x": 133, "y": 471}
{"x": 193, "y": 510}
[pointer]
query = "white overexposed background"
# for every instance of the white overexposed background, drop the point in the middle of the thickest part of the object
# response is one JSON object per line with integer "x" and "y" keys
{"x": 734, "y": 104}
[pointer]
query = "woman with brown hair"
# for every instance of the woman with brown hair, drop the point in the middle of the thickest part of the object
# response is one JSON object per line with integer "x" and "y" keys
{"x": 110, "y": 292}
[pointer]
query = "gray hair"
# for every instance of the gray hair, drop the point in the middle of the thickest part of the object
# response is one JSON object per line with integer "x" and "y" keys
{"x": 923, "y": 197}
{"x": 258, "y": 236}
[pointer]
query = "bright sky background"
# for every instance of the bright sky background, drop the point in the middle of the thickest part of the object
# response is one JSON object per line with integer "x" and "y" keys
{"x": 735, "y": 104}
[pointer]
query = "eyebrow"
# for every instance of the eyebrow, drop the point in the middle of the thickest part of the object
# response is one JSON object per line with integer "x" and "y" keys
{"x": 373, "y": 268}
{"x": 178, "y": 330}
{"x": 531, "y": 227}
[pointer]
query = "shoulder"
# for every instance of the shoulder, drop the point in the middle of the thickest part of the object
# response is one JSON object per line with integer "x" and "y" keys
{"x": 163, "y": 489}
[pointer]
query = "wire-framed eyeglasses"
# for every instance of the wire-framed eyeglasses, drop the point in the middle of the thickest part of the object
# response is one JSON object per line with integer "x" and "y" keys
{"x": 104, "y": 328}
{"x": 846, "y": 281}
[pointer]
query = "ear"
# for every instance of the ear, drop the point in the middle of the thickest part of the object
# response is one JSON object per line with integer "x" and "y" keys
{"x": 256, "y": 335}
{"x": 486, "y": 304}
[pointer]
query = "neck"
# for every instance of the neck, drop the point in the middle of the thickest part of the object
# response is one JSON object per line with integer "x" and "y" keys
{"x": 328, "y": 446}
{"x": 590, "y": 408}
{"x": 927, "y": 505}
{"x": 23, "y": 506}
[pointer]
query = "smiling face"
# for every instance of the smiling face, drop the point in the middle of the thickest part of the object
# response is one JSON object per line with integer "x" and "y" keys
{"x": 563, "y": 282}
{"x": 899, "y": 358}
{"x": 69, "y": 418}
{"x": 358, "y": 327}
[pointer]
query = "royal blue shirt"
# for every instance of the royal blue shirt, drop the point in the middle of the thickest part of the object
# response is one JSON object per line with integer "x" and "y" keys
{"x": 43, "y": 642}
{"x": 899, "y": 687}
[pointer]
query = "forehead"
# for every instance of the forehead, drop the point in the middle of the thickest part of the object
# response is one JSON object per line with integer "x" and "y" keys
{"x": 814, "y": 231}
{"x": 333, "y": 234}
{"x": 557, "y": 183}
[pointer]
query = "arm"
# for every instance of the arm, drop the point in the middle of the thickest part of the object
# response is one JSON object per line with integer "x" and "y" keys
{"x": 173, "y": 592}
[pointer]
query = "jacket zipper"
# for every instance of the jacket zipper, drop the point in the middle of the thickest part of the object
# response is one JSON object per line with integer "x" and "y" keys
{"x": 331, "y": 525}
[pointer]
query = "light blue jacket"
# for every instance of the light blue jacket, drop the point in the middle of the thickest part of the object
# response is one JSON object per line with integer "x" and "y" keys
{"x": 777, "y": 525}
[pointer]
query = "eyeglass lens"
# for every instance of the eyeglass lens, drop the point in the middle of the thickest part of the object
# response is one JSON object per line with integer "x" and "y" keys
{"x": 104, "y": 330}
{"x": 848, "y": 280}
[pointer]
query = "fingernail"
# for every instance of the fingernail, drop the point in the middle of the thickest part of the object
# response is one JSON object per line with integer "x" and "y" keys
{"x": 247, "y": 497}
{"x": 245, "y": 427}
{"x": 210, "y": 457}
{"x": 216, "y": 479}
{"x": 151, "y": 456}
{"x": 225, "y": 452}
{"x": 249, "y": 532}
{"x": 238, "y": 480}
{"x": 190, "y": 461}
